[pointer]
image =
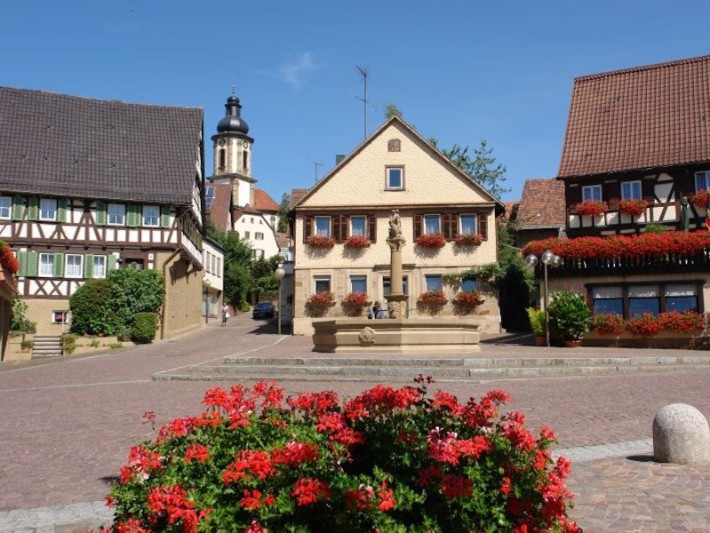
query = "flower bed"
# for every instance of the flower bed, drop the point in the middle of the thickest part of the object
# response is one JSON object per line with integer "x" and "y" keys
{"x": 634, "y": 208}
{"x": 591, "y": 208}
{"x": 357, "y": 241}
{"x": 469, "y": 239}
{"x": 320, "y": 241}
{"x": 435, "y": 298}
{"x": 387, "y": 460}
{"x": 434, "y": 240}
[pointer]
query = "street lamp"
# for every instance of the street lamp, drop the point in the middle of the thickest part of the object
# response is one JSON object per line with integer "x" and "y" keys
{"x": 207, "y": 284}
{"x": 280, "y": 273}
{"x": 548, "y": 259}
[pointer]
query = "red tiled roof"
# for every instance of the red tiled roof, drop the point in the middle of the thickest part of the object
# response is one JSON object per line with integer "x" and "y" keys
{"x": 651, "y": 116}
{"x": 264, "y": 202}
{"x": 296, "y": 196}
{"x": 543, "y": 204}
{"x": 219, "y": 209}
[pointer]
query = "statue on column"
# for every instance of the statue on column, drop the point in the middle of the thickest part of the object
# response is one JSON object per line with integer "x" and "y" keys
{"x": 396, "y": 302}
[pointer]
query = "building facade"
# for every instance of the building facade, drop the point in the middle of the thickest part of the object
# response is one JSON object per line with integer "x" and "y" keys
{"x": 349, "y": 210}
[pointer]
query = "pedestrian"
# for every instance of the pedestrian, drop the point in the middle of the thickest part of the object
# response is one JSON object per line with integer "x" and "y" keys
{"x": 225, "y": 314}
{"x": 377, "y": 311}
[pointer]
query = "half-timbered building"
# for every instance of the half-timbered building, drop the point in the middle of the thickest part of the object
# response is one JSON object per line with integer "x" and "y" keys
{"x": 87, "y": 186}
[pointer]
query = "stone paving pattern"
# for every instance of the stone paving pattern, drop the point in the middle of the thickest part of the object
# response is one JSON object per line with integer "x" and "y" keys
{"x": 66, "y": 426}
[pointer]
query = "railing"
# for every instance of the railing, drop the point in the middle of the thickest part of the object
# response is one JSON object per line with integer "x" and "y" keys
{"x": 672, "y": 262}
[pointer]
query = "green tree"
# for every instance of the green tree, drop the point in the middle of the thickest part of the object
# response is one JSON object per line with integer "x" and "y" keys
{"x": 91, "y": 314}
{"x": 134, "y": 291}
{"x": 516, "y": 281}
{"x": 481, "y": 167}
{"x": 283, "y": 213}
{"x": 238, "y": 279}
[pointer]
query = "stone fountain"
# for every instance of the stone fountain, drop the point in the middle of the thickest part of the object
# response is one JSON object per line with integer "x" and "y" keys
{"x": 397, "y": 333}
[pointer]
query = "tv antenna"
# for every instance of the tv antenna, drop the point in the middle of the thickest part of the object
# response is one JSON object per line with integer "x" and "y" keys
{"x": 315, "y": 164}
{"x": 363, "y": 73}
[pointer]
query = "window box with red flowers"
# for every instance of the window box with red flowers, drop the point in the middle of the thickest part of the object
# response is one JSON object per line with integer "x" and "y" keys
{"x": 357, "y": 241}
{"x": 256, "y": 461}
{"x": 432, "y": 240}
{"x": 467, "y": 301}
{"x": 317, "y": 304}
{"x": 8, "y": 260}
{"x": 608, "y": 324}
{"x": 469, "y": 239}
{"x": 634, "y": 208}
{"x": 591, "y": 208}
{"x": 667, "y": 330}
{"x": 320, "y": 241}
{"x": 433, "y": 298}
{"x": 701, "y": 199}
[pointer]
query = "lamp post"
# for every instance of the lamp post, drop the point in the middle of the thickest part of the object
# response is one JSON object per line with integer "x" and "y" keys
{"x": 207, "y": 284}
{"x": 280, "y": 273}
{"x": 548, "y": 259}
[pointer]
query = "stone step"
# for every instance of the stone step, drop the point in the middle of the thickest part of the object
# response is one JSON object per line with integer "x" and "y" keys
{"x": 46, "y": 346}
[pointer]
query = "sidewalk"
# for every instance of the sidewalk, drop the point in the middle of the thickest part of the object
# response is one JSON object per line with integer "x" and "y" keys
{"x": 67, "y": 426}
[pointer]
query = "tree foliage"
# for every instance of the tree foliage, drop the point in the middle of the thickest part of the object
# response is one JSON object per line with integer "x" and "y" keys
{"x": 482, "y": 166}
{"x": 515, "y": 285}
{"x": 283, "y": 213}
{"x": 91, "y": 314}
{"x": 135, "y": 291}
{"x": 391, "y": 110}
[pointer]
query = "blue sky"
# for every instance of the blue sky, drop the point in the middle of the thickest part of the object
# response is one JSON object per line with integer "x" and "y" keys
{"x": 460, "y": 71}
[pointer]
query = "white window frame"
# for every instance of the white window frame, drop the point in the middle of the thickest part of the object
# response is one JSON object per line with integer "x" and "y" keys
{"x": 475, "y": 224}
{"x": 68, "y": 271}
{"x": 110, "y": 215}
{"x": 258, "y": 236}
{"x": 317, "y": 279}
{"x": 364, "y": 225}
{"x": 316, "y": 229}
{"x": 628, "y": 194}
{"x": 388, "y": 183}
{"x": 45, "y": 260}
{"x": 5, "y": 208}
{"x": 359, "y": 278}
{"x": 63, "y": 313}
{"x": 702, "y": 180}
{"x": 99, "y": 266}
{"x": 48, "y": 206}
{"x": 151, "y": 220}
{"x": 588, "y": 193}
{"x": 424, "y": 224}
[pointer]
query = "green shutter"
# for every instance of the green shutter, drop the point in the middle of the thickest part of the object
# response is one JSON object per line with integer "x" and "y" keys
{"x": 18, "y": 208}
{"x": 101, "y": 213}
{"x": 34, "y": 208}
{"x": 32, "y": 264}
{"x": 165, "y": 216}
{"x": 133, "y": 215}
{"x": 22, "y": 259}
{"x": 58, "y": 267}
{"x": 62, "y": 208}
{"x": 112, "y": 263}
{"x": 89, "y": 266}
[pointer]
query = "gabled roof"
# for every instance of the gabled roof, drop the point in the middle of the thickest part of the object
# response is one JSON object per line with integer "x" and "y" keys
{"x": 542, "y": 205}
{"x": 296, "y": 196}
{"x": 60, "y": 145}
{"x": 264, "y": 202}
{"x": 428, "y": 146}
{"x": 639, "y": 118}
{"x": 218, "y": 208}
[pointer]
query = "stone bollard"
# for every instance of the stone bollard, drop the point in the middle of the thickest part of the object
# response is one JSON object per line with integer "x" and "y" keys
{"x": 681, "y": 435}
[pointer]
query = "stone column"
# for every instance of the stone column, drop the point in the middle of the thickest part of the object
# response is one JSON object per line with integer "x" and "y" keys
{"x": 396, "y": 301}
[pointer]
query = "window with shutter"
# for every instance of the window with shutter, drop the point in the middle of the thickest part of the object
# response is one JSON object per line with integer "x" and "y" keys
{"x": 133, "y": 216}
{"x": 164, "y": 216}
{"x": 100, "y": 213}
{"x": 33, "y": 210}
{"x": 32, "y": 264}
{"x": 5, "y": 207}
{"x": 89, "y": 265}
{"x": 418, "y": 221}
{"x": 307, "y": 227}
{"x": 483, "y": 226}
{"x": 18, "y": 208}
{"x": 372, "y": 227}
{"x": 58, "y": 267}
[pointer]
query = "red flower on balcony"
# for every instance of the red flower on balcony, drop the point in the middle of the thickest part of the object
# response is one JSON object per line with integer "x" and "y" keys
{"x": 357, "y": 241}
{"x": 591, "y": 208}
{"x": 356, "y": 299}
{"x": 469, "y": 239}
{"x": 432, "y": 240}
{"x": 434, "y": 298}
{"x": 320, "y": 241}
{"x": 700, "y": 199}
{"x": 8, "y": 260}
{"x": 634, "y": 208}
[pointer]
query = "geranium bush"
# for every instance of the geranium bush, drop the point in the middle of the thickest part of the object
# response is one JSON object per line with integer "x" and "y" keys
{"x": 7, "y": 259}
{"x": 387, "y": 460}
{"x": 318, "y": 302}
{"x": 356, "y": 299}
{"x": 608, "y": 324}
{"x": 701, "y": 199}
{"x": 433, "y": 240}
{"x": 432, "y": 298}
{"x": 320, "y": 241}
{"x": 647, "y": 325}
{"x": 469, "y": 239}
{"x": 357, "y": 241}
{"x": 591, "y": 208}
{"x": 468, "y": 299}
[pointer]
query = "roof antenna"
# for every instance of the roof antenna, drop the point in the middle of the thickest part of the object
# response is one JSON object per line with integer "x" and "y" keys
{"x": 363, "y": 73}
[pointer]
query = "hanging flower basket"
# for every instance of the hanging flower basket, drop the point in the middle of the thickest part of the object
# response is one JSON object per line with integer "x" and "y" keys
{"x": 634, "y": 208}
{"x": 434, "y": 240}
{"x": 591, "y": 208}
{"x": 356, "y": 299}
{"x": 700, "y": 199}
{"x": 357, "y": 241}
{"x": 469, "y": 239}
{"x": 320, "y": 241}
{"x": 434, "y": 298}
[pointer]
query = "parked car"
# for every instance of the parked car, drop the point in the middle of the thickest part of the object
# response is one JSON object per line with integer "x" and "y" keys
{"x": 263, "y": 310}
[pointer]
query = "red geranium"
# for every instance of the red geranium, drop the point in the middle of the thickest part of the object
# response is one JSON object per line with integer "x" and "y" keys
{"x": 591, "y": 208}
{"x": 320, "y": 241}
{"x": 634, "y": 208}
{"x": 700, "y": 199}
{"x": 469, "y": 239}
{"x": 357, "y": 241}
{"x": 356, "y": 299}
{"x": 608, "y": 324}
{"x": 320, "y": 299}
{"x": 468, "y": 299}
{"x": 433, "y": 240}
{"x": 432, "y": 298}
{"x": 7, "y": 259}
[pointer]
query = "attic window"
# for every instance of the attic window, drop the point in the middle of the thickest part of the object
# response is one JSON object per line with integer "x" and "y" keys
{"x": 395, "y": 179}
{"x": 394, "y": 145}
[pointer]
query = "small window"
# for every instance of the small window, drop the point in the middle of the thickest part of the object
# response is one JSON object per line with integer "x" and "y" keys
{"x": 46, "y": 265}
{"x": 74, "y": 266}
{"x": 151, "y": 215}
{"x": 468, "y": 224}
{"x": 257, "y": 254}
{"x": 681, "y": 298}
{"x": 246, "y": 235}
{"x": 644, "y": 299}
{"x": 259, "y": 236}
{"x": 469, "y": 284}
{"x": 48, "y": 209}
{"x": 116, "y": 214}
{"x": 99, "y": 266}
{"x": 608, "y": 300}
{"x": 358, "y": 284}
{"x": 5, "y": 207}
{"x": 395, "y": 178}
{"x": 222, "y": 158}
{"x": 358, "y": 225}
{"x": 432, "y": 224}
{"x": 631, "y": 190}
{"x": 321, "y": 284}
{"x": 702, "y": 181}
{"x": 433, "y": 282}
{"x": 592, "y": 193}
{"x": 322, "y": 226}
{"x": 60, "y": 317}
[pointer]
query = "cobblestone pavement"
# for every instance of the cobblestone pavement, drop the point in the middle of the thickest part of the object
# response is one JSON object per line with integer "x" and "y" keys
{"x": 66, "y": 427}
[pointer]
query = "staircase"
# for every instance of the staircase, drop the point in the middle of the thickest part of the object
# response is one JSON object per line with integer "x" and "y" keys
{"x": 404, "y": 369}
{"x": 46, "y": 346}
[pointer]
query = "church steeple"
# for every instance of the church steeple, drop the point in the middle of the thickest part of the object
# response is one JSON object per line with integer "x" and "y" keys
{"x": 232, "y": 145}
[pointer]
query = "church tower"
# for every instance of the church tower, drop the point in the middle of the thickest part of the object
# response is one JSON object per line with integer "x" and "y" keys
{"x": 232, "y": 153}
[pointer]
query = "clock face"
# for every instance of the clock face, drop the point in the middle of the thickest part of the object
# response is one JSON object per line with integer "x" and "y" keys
{"x": 245, "y": 144}
{"x": 222, "y": 142}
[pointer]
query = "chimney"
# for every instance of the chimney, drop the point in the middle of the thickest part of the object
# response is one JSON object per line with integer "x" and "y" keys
{"x": 339, "y": 158}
